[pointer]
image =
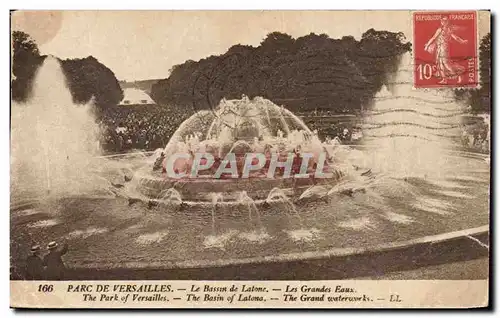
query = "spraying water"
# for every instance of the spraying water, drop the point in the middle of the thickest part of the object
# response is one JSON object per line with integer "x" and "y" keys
{"x": 252, "y": 207}
{"x": 278, "y": 195}
{"x": 216, "y": 198}
{"x": 53, "y": 140}
{"x": 410, "y": 130}
{"x": 171, "y": 196}
{"x": 314, "y": 192}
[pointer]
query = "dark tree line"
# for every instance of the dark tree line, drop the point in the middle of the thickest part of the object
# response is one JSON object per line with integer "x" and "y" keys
{"x": 310, "y": 72}
{"x": 480, "y": 99}
{"x": 25, "y": 61}
{"x": 86, "y": 77}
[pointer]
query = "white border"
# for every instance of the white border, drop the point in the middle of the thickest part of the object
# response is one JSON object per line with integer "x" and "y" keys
{"x": 191, "y": 4}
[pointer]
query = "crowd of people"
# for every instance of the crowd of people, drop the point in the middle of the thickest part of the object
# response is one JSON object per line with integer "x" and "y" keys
{"x": 347, "y": 133}
{"x": 125, "y": 129}
{"x": 476, "y": 137}
{"x": 148, "y": 128}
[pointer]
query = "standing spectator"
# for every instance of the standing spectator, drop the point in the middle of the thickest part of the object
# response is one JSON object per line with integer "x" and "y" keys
{"x": 53, "y": 261}
{"x": 34, "y": 264}
{"x": 121, "y": 142}
{"x": 346, "y": 135}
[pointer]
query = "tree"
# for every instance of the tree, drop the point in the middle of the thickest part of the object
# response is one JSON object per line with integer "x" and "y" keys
{"x": 88, "y": 78}
{"x": 485, "y": 73}
{"x": 277, "y": 42}
{"x": 479, "y": 99}
{"x": 379, "y": 56}
{"x": 25, "y": 61}
{"x": 310, "y": 72}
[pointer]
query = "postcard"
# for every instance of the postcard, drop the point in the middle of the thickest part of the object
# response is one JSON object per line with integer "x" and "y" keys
{"x": 250, "y": 159}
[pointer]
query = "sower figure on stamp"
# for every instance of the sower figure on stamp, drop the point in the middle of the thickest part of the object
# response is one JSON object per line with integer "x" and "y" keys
{"x": 34, "y": 264}
{"x": 440, "y": 45}
{"x": 53, "y": 261}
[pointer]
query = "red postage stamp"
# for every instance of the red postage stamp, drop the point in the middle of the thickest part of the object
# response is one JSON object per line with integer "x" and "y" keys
{"x": 445, "y": 49}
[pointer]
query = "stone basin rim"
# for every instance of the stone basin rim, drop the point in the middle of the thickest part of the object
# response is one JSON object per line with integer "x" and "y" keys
{"x": 287, "y": 257}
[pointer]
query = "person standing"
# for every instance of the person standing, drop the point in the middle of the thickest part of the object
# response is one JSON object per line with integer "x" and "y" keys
{"x": 34, "y": 264}
{"x": 55, "y": 268}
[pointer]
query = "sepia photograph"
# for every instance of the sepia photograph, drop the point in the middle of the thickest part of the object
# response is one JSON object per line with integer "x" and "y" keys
{"x": 249, "y": 146}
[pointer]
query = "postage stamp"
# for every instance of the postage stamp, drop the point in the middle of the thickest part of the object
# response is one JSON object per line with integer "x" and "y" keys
{"x": 445, "y": 49}
{"x": 189, "y": 161}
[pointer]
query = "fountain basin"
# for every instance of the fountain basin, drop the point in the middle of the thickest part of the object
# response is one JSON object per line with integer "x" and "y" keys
{"x": 452, "y": 250}
{"x": 201, "y": 189}
{"x": 112, "y": 248}
{"x": 406, "y": 224}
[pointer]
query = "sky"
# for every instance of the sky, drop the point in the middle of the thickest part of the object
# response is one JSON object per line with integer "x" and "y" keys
{"x": 139, "y": 45}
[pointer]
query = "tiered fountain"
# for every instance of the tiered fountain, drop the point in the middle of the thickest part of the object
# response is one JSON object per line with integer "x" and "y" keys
{"x": 241, "y": 128}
